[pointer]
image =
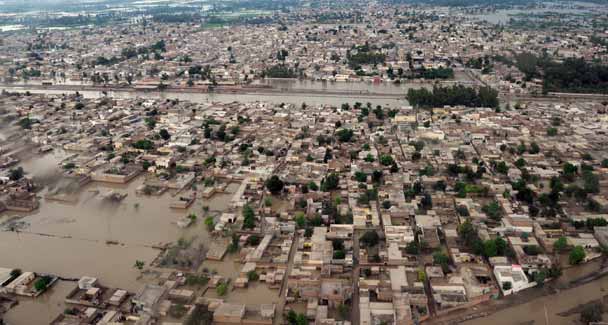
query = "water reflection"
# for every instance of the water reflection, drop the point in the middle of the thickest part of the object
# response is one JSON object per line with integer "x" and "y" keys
{"x": 275, "y": 98}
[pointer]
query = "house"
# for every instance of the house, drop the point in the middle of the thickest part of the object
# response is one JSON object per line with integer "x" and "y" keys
{"x": 514, "y": 275}
{"x": 148, "y": 299}
{"x": 228, "y": 313}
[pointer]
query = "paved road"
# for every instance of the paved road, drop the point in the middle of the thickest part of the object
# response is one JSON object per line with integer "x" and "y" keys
{"x": 355, "y": 313}
{"x": 278, "y": 318}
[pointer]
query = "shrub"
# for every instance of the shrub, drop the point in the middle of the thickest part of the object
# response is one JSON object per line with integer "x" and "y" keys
{"x": 222, "y": 289}
{"x": 577, "y": 255}
{"x": 252, "y": 276}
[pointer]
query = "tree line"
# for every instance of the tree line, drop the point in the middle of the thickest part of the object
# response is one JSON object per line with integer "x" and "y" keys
{"x": 457, "y": 95}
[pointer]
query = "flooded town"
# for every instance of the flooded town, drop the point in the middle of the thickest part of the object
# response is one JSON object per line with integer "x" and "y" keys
{"x": 303, "y": 162}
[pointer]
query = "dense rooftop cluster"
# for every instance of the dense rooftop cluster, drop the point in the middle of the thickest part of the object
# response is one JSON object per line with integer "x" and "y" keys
{"x": 488, "y": 178}
{"x": 391, "y": 43}
{"x": 414, "y": 210}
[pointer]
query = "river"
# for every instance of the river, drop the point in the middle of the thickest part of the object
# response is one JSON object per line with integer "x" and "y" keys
{"x": 290, "y": 91}
{"x": 502, "y": 16}
{"x": 276, "y": 98}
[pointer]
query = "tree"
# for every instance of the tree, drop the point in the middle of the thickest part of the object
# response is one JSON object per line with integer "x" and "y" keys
{"x": 386, "y": 204}
{"x": 360, "y": 176}
{"x": 308, "y": 232}
{"x": 534, "y": 148}
{"x": 577, "y": 255}
{"x": 426, "y": 202}
{"x": 569, "y": 170}
{"x": 412, "y": 248}
{"x": 294, "y": 318}
{"x": 25, "y": 123}
{"x": 42, "y": 283}
{"x": 150, "y": 123}
{"x": 552, "y": 131}
{"x": 300, "y": 219}
{"x": 466, "y": 231}
{"x": 330, "y": 182}
{"x": 234, "y": 245}
{"x": 339, "y": 255}
{"x": 532, "y": 250}
{"x": 253, "y": 240}
{"x": 489, "y": 248}
{"x": 370, "y": 238}
{"x": 275, "y": 185}
{"x": 386, "y": 160}
{"x": 502, "y": 167}
{"x": 143, "y": 144}
{"x": 591, "y": 182}
{"x": 199, "y": 316}
{"x": 139, "y": 265}
{"x": 453, "y": 96}
{"x": 344, "y": 135}
{"x": 164, "y": 134}
{"x": 560, "y": 244}
{"x": 248, "y": 217}
{"x": 15, "y": 273}
{"x": 440, "y": 185}
{"x": 268, "y": 201}
{"x": 221, "y": 289}
{"x": 343, "y": 311}
{"x": 16, "y": 174}
{"x": 492, "y": 210}
{"x": 210, "y": 223}
{"x": 252, "y": 275}
{"x": 312, "y": 186}
{"x": 440, "y": 258}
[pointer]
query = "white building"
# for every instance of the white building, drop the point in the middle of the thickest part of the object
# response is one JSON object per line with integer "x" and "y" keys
{"x": 515, "y": 275}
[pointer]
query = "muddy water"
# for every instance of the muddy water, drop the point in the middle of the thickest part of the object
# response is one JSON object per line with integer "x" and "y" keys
{"x": 46, "y": 307}
{"x": 70, "y": 239}
{"x": 73, "y": 258}
{"x": 256, "y": 293}
{"x": 554, "y": 304}
{"x": 137, "y": 220}
{"x": 278, "y": 98}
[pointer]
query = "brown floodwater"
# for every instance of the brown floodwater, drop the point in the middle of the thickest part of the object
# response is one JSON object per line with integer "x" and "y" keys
{"x": 276, "y": 98}
{"x": 40, "y": 310}
{"x": 256, "y": 293}
{"x": 553, "y": 304}
{"x": 74, "y": 240}
{"x": 137, "y": 223}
